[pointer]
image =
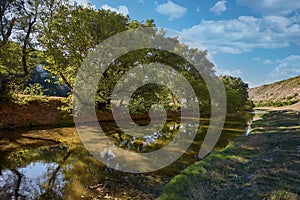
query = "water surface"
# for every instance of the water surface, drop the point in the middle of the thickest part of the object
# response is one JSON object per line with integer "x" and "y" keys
{"x": 53, "y": 164}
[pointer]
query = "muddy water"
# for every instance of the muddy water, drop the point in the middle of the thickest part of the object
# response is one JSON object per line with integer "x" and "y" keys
{"x": 53, "y": 164}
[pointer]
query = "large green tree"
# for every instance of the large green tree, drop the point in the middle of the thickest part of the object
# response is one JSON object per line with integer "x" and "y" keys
{"x": 67, "y": 41}
{"x": 67, "y": 33}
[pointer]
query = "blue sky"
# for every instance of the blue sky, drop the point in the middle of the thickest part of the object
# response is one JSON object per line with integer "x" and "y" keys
{"x": 257, "y": 40}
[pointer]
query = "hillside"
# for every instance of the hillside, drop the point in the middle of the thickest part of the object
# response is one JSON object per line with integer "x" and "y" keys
{"x": 278, "y": 94}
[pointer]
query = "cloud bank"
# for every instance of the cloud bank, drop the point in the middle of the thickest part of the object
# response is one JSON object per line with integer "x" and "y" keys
{"x": 246, "y": 33}
{"x": 271, "y": 7}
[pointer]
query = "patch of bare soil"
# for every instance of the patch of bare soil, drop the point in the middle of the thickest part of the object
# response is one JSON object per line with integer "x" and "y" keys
{"x": 42, "y": 112}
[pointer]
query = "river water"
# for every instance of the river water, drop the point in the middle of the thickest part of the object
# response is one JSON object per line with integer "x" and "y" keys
{"x": 53, "y": 164}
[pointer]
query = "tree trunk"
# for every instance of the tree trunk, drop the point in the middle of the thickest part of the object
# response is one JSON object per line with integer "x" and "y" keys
{"x": 4, "y": 90}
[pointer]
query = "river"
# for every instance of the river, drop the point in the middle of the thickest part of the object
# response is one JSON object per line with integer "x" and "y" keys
{"x": 53, "y": 164}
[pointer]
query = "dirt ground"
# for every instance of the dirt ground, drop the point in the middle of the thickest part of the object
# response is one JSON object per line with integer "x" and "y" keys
{"x": 42, "y": 112}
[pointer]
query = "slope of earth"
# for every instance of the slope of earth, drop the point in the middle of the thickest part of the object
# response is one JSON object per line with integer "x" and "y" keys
{"x": 277, "y": 91}
{"x": 284, "y": 94}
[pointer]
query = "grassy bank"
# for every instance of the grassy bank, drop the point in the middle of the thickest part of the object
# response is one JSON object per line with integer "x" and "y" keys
{"x": 264, "y": 165}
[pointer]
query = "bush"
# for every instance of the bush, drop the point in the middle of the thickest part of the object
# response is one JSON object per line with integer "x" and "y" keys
{"x": 31, "y": 92}
{"x": 283, "y": 195}
{"x": 276, "y": 103}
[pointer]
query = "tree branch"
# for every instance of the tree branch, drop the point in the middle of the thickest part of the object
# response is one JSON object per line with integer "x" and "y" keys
{"x": 24, "y": 47}
{"x": 64, "y": 78}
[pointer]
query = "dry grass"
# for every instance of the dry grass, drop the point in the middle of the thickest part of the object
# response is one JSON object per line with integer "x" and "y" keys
{"x": 264, "y": 165}
{"x": 283, "y": 90}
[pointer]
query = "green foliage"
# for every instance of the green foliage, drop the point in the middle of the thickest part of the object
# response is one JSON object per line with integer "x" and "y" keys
{"x": 34, "y": 90}
{"x": 148, "y": 95}
{"x": 67, "y": 41}
{"x": 65, "y": 54}
{"x": 249, "y": 105}
{"x": 67, "y": 33}
{"x": 17, "y": 54}
{"x": 291, "y": 97}
{"x": 237, "y": 94}
{"x": 283, "y": 195}
{"x": 276, "y": 103}
{"x": 66, "y": 104}
{"x": 25, "y": 94}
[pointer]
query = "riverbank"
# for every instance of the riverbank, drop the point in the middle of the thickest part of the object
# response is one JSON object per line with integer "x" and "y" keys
{"x": 34, "y": 112}
{"x": 264, "y": 165}
{"x": 48, "y": 112}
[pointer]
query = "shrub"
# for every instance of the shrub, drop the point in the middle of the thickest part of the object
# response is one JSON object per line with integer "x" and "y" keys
{"x": 283, "y": 195}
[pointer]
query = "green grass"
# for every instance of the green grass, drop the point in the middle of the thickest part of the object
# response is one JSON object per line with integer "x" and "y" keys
{"x": 264, "y": 165}
{"x": 276, "y": 103}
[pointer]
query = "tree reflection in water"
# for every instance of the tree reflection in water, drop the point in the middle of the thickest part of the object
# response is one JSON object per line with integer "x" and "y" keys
{"x": 37, "y": 179}
{"x": 67, "y": 170}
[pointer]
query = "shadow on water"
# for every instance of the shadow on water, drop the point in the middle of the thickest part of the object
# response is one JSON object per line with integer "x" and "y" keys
{"x": 53, "y": 164}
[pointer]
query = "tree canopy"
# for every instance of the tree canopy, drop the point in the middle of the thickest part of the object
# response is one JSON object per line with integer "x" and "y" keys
{"x": 59, "y": 36}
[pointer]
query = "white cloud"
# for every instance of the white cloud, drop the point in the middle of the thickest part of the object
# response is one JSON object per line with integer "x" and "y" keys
{"x": 287, "y": 68}
{"x": 120, "y": 9}
{"x": 235, "y": 73}
{"x": 172, "y": 10}
{"x": 244, "y": 34}
{"x": 219, "y": 7}
{"x": 266, "y": 62}
{"x": 271, "y": 7}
